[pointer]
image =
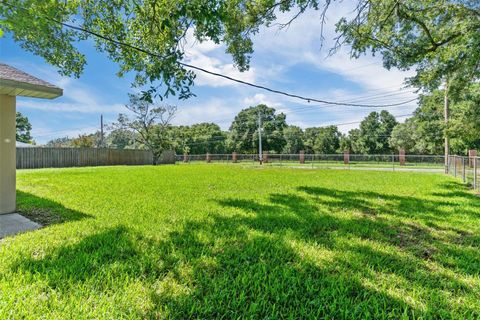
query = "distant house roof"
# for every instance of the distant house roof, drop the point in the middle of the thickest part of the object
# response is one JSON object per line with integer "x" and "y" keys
{"x": 24, "y": 145}
{"x": 18, "y": 83}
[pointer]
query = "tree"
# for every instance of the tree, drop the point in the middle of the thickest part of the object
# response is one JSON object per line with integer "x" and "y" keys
{"x": 150, "y": 124}
{"x": 464, "y": 127}
{"x": 156, "y": 26}
{"x": 309, "y": 138}
{"x": 181, "y": 138}
{"x": 293, "y": 136}
{"x": 327, "y": 140}
{"x": 199, "y": 138}
{"x": 23, "y": 129}
{"x": 437, "y": 37}
{"x": 375, "y": 131}
{"x": 403, "y": 137}
{"x": 119, "y": 138}
{"x": 427, "y": 125}
{"x": 243, "y": 135}
{"x": 351, "y": 142}
{"x": 64, "y": 142}
{"x": 84, "y": 141}
{"x": 324, "y": 140}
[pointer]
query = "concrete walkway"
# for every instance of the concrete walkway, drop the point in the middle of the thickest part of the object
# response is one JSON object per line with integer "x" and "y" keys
{"x": 13, "y": 223}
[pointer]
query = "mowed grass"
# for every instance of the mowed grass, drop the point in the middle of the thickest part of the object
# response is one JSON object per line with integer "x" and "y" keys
{"x": 233, "y": 242}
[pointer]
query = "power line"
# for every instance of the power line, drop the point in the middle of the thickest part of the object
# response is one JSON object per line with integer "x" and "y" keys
{"x": 356, "y": 122}
{"x": 291, "y": 95}
{"x": 217, "y": 139}
{"x": 307, "y": 111}
{"x": 304, "y": 109}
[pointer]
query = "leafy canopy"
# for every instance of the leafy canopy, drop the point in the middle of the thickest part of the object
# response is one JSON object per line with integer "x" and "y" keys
{"x": 293, "y": 136}
{"x": 199, "y": 138}
{"x": 325, "y": 140}
{"x": 373, "y": 135}
{"x": 424, "y": 132}
{"x": 244, "y": 130}
{"x": 440, "y": 38}
{"x": 149, "y": 124}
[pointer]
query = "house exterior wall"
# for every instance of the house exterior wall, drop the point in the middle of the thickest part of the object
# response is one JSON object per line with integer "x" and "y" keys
{"x": 7, "y": 154}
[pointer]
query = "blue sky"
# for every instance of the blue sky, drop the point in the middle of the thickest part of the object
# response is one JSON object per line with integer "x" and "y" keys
{"x": 290, "y": 60}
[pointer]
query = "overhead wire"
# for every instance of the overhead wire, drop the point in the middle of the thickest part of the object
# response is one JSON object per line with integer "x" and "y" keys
{"x": 325, "y": 103}
{"x": 215, "y": 139}
{"x": 194, "y": 67}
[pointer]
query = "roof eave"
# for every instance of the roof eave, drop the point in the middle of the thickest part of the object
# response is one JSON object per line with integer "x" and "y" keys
{"x": 16, "y": 88}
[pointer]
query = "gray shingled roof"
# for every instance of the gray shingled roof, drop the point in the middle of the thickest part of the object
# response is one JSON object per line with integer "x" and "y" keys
{"x": 18, "y": 83}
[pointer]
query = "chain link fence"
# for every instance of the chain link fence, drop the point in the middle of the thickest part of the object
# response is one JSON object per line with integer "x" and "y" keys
{"x": 390, "y": 162}
{"x": 465, "y": 168}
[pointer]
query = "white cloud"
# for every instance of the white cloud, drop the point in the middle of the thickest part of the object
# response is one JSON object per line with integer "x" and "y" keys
{"x": 219, "y": 111}
{"x": 301, "y": 43}
{"x": 215, "y": 65}
{"x": 210, "y": 56}
{"x": 77, "y": 98}
{"x": 260, "y": 98}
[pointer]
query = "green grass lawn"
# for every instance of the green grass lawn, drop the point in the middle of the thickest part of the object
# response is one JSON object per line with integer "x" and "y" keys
{"x": 230, "y": 242}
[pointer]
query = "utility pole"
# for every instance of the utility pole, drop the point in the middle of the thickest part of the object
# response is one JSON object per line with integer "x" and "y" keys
{"x": 445, "y": 114}
{"x": 260, "y": 152}
{"x": 101, "y": 132}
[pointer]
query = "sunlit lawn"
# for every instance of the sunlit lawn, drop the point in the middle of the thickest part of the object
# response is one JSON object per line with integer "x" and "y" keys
{"x": 230, "y": 241}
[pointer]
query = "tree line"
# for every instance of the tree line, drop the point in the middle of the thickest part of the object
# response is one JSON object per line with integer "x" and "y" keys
{"x": 378, "y": 133}
{"x": 439, "y": 40}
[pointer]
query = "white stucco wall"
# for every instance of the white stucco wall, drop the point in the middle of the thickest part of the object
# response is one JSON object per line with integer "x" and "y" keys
{"x": 7, "y": 154}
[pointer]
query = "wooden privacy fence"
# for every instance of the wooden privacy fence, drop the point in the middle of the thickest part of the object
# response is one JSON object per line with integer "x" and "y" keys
{"x": 31, "y": 158}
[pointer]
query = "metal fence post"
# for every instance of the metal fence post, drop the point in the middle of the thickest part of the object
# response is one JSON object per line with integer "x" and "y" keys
{"x": 464, "y": 171}
{"x": 393, "y": 162}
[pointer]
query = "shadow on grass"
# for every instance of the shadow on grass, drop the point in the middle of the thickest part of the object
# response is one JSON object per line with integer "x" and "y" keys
{"x": 383, "y": 262}
{"x": 455, "y": 189}
{"x": 45, "y": 211}
{"x": 298, "y": 255}
{"x": 107, "y": 254}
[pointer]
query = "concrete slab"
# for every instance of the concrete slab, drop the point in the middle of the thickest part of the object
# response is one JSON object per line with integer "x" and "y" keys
{"x": 13, "y": 223}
